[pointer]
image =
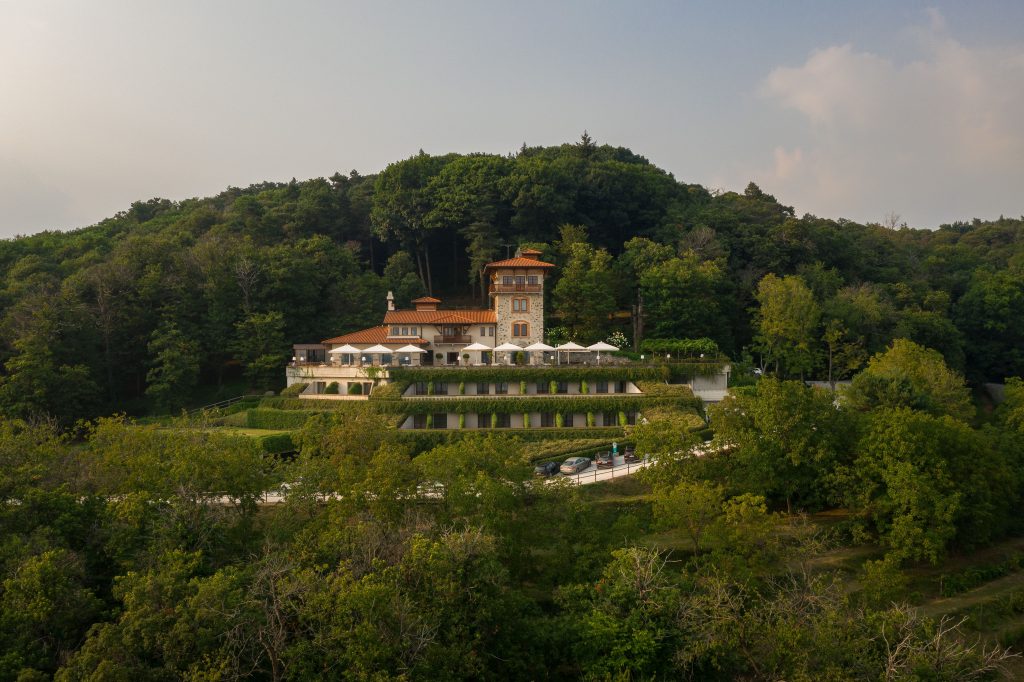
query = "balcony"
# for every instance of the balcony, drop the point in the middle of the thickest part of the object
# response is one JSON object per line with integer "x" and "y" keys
{"x": 463, "y": 339}
{"x": 515, "y": 288}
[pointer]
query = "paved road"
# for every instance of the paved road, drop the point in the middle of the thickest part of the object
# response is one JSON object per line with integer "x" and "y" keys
{"x": 595, "y": 475}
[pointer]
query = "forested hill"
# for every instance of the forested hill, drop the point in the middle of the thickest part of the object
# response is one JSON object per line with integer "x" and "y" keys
{"x": 157, "y": 306}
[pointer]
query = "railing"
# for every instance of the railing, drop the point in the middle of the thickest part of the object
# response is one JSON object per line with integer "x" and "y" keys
{"x": 453, "y": 338}
{"x": 512, "y": 288}
{"x": 594, "y": 474}
{"x": 223, "y": 403}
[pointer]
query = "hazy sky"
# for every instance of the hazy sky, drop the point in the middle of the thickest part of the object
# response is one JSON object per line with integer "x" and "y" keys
{"x": 847, "y": 110}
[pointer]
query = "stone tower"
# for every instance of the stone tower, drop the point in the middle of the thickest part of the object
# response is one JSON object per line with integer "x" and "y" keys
{"x": 516, "y": 290}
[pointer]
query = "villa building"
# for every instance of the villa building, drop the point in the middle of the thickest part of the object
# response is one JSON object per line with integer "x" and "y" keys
{"x": 504, "y": 340}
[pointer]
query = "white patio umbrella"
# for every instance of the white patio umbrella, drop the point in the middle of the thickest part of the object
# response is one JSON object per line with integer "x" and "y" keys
{"x": 568, "y": 347}
{"x": 347, "y": 349}
{"x": 601, "y": 346}
{"x": 410, "y": 349}
{"x": 477, "y": 346}
{"x": 508, "y": 348}
{"x": 540, "y": 347}
{"x": 377, "y": 349}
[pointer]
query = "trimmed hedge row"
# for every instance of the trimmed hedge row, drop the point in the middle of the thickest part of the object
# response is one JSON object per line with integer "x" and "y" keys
{"x": 279, "y": 403}
{"x": 263, "y": 418}
{"x": 682, "y": 346}
{"x": 501, "y": 373}
{"x": 656, "y": 389}
{"x": 420, "y": 440}
{"x": 520, "y": 404}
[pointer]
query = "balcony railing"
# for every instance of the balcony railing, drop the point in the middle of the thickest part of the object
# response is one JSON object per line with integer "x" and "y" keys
{"x": 514, "y": 288}
{"x": 453, "y": 338}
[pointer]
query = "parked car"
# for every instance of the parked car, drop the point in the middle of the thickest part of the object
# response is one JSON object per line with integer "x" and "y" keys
{"x": 605, "y": 460}
{"x": 546, "y": 469}
{"x": 574, "y": 465}
{"x": 629, "y": 456}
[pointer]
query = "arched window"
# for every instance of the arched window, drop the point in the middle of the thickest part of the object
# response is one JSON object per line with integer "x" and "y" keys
{"x": 520, "y": 329}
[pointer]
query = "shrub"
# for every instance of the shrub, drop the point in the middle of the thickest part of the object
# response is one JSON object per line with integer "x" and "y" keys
{"x": 688, "y": 347}
{"x": 332, "y": 388}
{"x": 559, "y": 420}
{"x": 526, "y": 420}
{"x": 430, "y": 388}
{"x": 293, "y": 391}
{"x": 520, "y": 358}
{"x": 462, "y": 388}
{"x": 622, "y": 419}
{"x": 590, "y": 419}
{"x": 355, "y": 388}
{"x": 584, "y": 387}
{"x": 522, "y": 388}
{"x": 430, "y": 421}
{"x": 553, "y": 387}
{"x": 264, "y": 418}
{"x": 277, "y": 443}
{"x": 494, "y": 420}
{"x": 462, "y": 421}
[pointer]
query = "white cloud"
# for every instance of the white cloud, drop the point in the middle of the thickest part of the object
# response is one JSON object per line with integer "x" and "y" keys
{"x": 938, "y": 138}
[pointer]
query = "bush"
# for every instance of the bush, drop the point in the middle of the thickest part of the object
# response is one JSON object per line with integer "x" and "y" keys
{"x": 559, "y": 420}
{"x": 332, "y": 388}
{"x": 263, "y": 418}
{"x": 584, "y": 387}
{"x": 687, "y": 347}
{"x": 462, "y": 421}
{"x": 277, "y": 443}
{"x": 355, "y": 388}
{"x": 293, "y": 391}
{"x": 391, "y": 391}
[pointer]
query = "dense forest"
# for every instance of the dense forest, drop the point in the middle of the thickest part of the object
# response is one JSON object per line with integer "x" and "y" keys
{"x": 169, "y": 304}
{"x": 786, "y": 533}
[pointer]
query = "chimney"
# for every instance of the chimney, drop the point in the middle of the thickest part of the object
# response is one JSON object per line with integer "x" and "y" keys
{"x": 391, "y": 301}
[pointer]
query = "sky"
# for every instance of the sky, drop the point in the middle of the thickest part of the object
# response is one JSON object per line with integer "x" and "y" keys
{"x": 856, "y": 110}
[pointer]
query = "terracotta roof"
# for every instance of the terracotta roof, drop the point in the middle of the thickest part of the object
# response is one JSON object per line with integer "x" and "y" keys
{"x": 426, "y": 299}
{"x": 519, "y": 262}
{"x": 373, "y": 335}
{"x": 474, "y": 316}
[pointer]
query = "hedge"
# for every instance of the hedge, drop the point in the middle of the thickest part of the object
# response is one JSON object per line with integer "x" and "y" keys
{"x": 277, "y": 443}
{"x": 420, "y": 439}
{"x": 293, "y": 391}
{"x": 506, "y": 374}
{"x": 691, "y": 347}
{"x": 622, "y": 402}
{"x": 264, "y": 418}
{"x": 279, "y": 403}
{"x": 662, "y": 390}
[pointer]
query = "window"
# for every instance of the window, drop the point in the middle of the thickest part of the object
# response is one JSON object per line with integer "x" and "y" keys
{"x": 394, "y": 331}
{"x": 620, "y": 387}
{"x": 385, "y": 358}
{"x": 482, "y": 388}
{"x": 504, "y": 421}
{"x": 441, "y": 388}
{"x": 421, "y": 388}
{"x": 413, "y": 331}
{"x": 490, "y": 331}
{"x": 520, "y": 280}
{"x": 532, "y": 280}
{"x": 631, "y": 417}
{"x": 483, "y": 420}
{"x": 501, "y": 388}
{"x": 441, "y": 420}
{"x": 602, "y": 387}
{"x": 405, "y": 331}
{"x": 610, "y": 419}
{"x": 507, "y": 280}
{"x": 567, "y": 419}
{"x": 542, "y": 387}
{"x": 547, "y": 419}
{"x": 483, "y": 331}
{"x": 563, "y": 387}
{"x": 520, "y": 305}
{"x": 419, "y": 421}
{"x": 520, "y": 329}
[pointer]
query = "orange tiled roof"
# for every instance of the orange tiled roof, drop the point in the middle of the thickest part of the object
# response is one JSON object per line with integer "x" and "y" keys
{"x": 426, "y": 299}
{"x": 474, "y": 316}
{"x": 519, "y": 262}
{"x": 372, "y": 335}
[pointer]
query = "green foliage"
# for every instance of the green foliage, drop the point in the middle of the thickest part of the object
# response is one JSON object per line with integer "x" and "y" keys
{"x": 908, "y": 375}
{"x": 681, "y": 347}
{"x": 527, "y": 374}
{"x": 354, "y": 388}
{"x": 534, "y": 403}
{"x": 268, "y": 418}
{"x": 332, "y": 388}
{"x": 277, "y": 443}
{"x": 786, "y": 322}
{"x": 293, "y": 391}
{"x": 175, "y": 368}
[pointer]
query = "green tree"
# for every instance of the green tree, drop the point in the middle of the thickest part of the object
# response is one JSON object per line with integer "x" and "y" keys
{"x": 261, "y": 347}
{"x": 786, "y": 321}
{"x": 583, "y": 297}
{"x": 175, "y": 367}
{"x": 910, "y": 375}
{"x": 685, "y": 297}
